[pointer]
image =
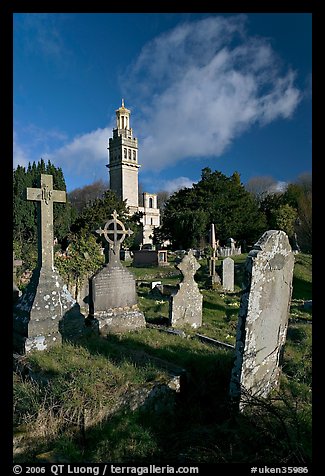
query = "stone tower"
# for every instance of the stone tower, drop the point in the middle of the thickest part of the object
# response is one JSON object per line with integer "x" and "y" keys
{"x": 123, "y": 174}
{"x": 123, "y": 160}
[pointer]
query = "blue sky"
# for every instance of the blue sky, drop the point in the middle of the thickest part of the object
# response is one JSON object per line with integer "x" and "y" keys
{"x": 225, "y": 91}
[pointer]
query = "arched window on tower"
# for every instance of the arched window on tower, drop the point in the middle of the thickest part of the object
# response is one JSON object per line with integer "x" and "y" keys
{"x": 134, "y": 155}
{"x": 125, "y": 153}
{"x": 150, "y": 203}
{"x": 129, "y": 154}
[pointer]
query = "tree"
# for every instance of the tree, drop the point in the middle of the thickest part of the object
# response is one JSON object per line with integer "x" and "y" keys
{"x": 299, "y": 196}
{"x": 304, "y": 222}
{"x": 261, "y": 186}
{"x": 284, "y": 219}
{"x": 80, "y": 197}
{"x": 99, "y": 211}
{"x": 216, "y": 199}
{"x": 162, "y": 197}
{"x": 25, "y": 211}
{"x": 81, "y": 260}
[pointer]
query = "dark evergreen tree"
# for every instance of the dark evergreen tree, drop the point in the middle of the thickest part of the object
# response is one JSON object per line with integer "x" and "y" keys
{"x": 25, "y": 211}
{"x": 216, "y": 199}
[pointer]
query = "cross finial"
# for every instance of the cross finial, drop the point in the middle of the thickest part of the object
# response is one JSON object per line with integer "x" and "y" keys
{"x": 115, "y": 231}
{"x": 188, "y": 266}
{"x": 46, "y": 196}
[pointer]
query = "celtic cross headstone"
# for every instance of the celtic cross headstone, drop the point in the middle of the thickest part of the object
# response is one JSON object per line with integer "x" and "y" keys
{"x": 113, "y": 297}
{"x": 114, "y": 233}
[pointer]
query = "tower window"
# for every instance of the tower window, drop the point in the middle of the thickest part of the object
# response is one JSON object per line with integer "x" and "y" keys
{"x": 125, "y": 153}
{"x": 150, "y": 203}
{"x": 129, "y": 154}
{"x": 134, "y": 155}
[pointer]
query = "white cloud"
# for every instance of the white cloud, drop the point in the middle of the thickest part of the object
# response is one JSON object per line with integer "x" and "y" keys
{"x": 19, "y": 155}
{"x": 279, "y": 186}
{"x": 176, "y": 184}
{"x": 169, "y": 186}
{"x": 43, "y": 34}
{"x": 85, "y": 154}
{"x": 194, "y": 90}
{"x": 201, "y": 85}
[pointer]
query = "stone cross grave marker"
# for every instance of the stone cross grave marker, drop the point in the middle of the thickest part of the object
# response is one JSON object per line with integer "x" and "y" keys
{"x": 114, "y": 233}
{"x": 46, "y": 196}
{"x": 113, "y": 297}
{"x": 263, "y": 317}
{"x": 228, "y": 269}
{"x": 46, "y": 311}
{"x": 186, "y": 305}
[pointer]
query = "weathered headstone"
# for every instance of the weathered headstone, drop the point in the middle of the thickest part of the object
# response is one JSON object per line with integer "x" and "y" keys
{"x": 185, "y": 306}
{"x": 263, "y": 317}
{"x": 113, "y": 297}
{"x": 16, "y": 291}
{"x": 46, "y": 311}
{"x": 228, "y": 274}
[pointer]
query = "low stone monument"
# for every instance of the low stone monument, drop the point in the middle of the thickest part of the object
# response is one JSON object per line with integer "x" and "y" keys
{"x": 46, "y": 311}
{"x": 185, "y": 306}
{"x": 145, "y": 258}
{"x": 113, "y": 297}
{"x": 263, "y": 317}
{"x": 228, "y": 274}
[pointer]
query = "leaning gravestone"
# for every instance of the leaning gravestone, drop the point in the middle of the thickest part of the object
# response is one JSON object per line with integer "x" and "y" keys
{"x": 263, "y": 317}
{"x": 46, "y": 311}
{"x": 113, "y": 297}
{"x": 228, "y": 267}
{"x": 186, "y": 305}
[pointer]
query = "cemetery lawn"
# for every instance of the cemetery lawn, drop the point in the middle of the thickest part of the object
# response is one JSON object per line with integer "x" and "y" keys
{"x": 76, "y": 406}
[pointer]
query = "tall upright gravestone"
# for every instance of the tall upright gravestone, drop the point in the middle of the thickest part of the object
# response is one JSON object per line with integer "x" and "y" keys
{"x": 46, "y": 310}
{"x": 113, "y": 297}
{"x": 228, "y": 274}
{"x": 263, "y": 317}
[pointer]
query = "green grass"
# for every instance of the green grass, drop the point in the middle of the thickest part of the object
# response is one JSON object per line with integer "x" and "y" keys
{"x": 302, "y": 277}
{"x": 73, "y": 411}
